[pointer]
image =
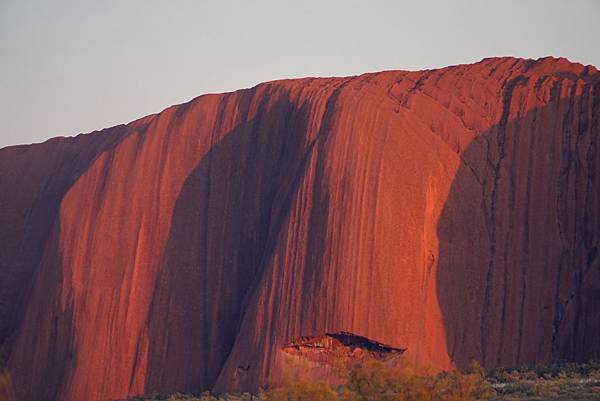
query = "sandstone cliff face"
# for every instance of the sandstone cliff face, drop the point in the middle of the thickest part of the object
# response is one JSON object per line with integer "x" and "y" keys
{"x": 451, "y": 212}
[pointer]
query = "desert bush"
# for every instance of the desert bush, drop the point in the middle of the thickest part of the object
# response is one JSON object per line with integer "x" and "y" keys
{"x": 204, "y": 396}
{"x": 562, "y": 370}
{"x": 370, "y": 379}
{"x": 302, "y": 391}
{"x": 373, "y": 381}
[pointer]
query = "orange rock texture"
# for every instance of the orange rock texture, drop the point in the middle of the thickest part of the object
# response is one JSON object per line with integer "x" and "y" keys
{"x": 452, "y": 212}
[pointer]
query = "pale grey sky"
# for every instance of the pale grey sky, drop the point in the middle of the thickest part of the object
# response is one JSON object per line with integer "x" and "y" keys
{"x": 68, "y": 67}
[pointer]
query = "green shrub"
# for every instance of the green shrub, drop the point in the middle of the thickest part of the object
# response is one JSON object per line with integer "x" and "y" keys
{"x": 370, "y": 379}
{"x": 302, "y": 391}
{"x": 373, "y": 381}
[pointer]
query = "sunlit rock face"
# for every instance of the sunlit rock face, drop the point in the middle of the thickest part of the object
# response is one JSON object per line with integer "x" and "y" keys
{"x": 454, "y": 213}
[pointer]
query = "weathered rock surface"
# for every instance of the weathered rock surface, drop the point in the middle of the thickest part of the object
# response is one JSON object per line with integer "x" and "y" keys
{"x": 451, "y": 212}
{"x": 331, "y": 347}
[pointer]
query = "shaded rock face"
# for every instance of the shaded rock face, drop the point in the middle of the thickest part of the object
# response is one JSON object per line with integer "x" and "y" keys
{"x": 527, "y": 199}
{"x": 453, "y": 213}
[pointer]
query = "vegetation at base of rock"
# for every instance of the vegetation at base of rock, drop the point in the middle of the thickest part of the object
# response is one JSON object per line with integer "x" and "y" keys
{"x": 372, "y": 380}
{"x": 203, "y": 396}
{"x": 551, "y": 382}
{"x": 564, "y": 370}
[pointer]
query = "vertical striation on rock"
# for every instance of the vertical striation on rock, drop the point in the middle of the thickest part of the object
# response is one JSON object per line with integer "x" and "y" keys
{"x": 454, "y": 213}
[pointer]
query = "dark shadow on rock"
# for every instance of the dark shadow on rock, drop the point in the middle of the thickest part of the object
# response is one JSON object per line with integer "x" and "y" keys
{"x": 518, "y": 276}
{"x": 226, "y": 215}
{"x": 34, "y": 180}
{"x": 39, "y": 368}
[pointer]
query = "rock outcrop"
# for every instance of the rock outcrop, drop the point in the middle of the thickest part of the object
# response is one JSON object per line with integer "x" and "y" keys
{"x": 331, "y": 347}
{"x": 454, "y": 213}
